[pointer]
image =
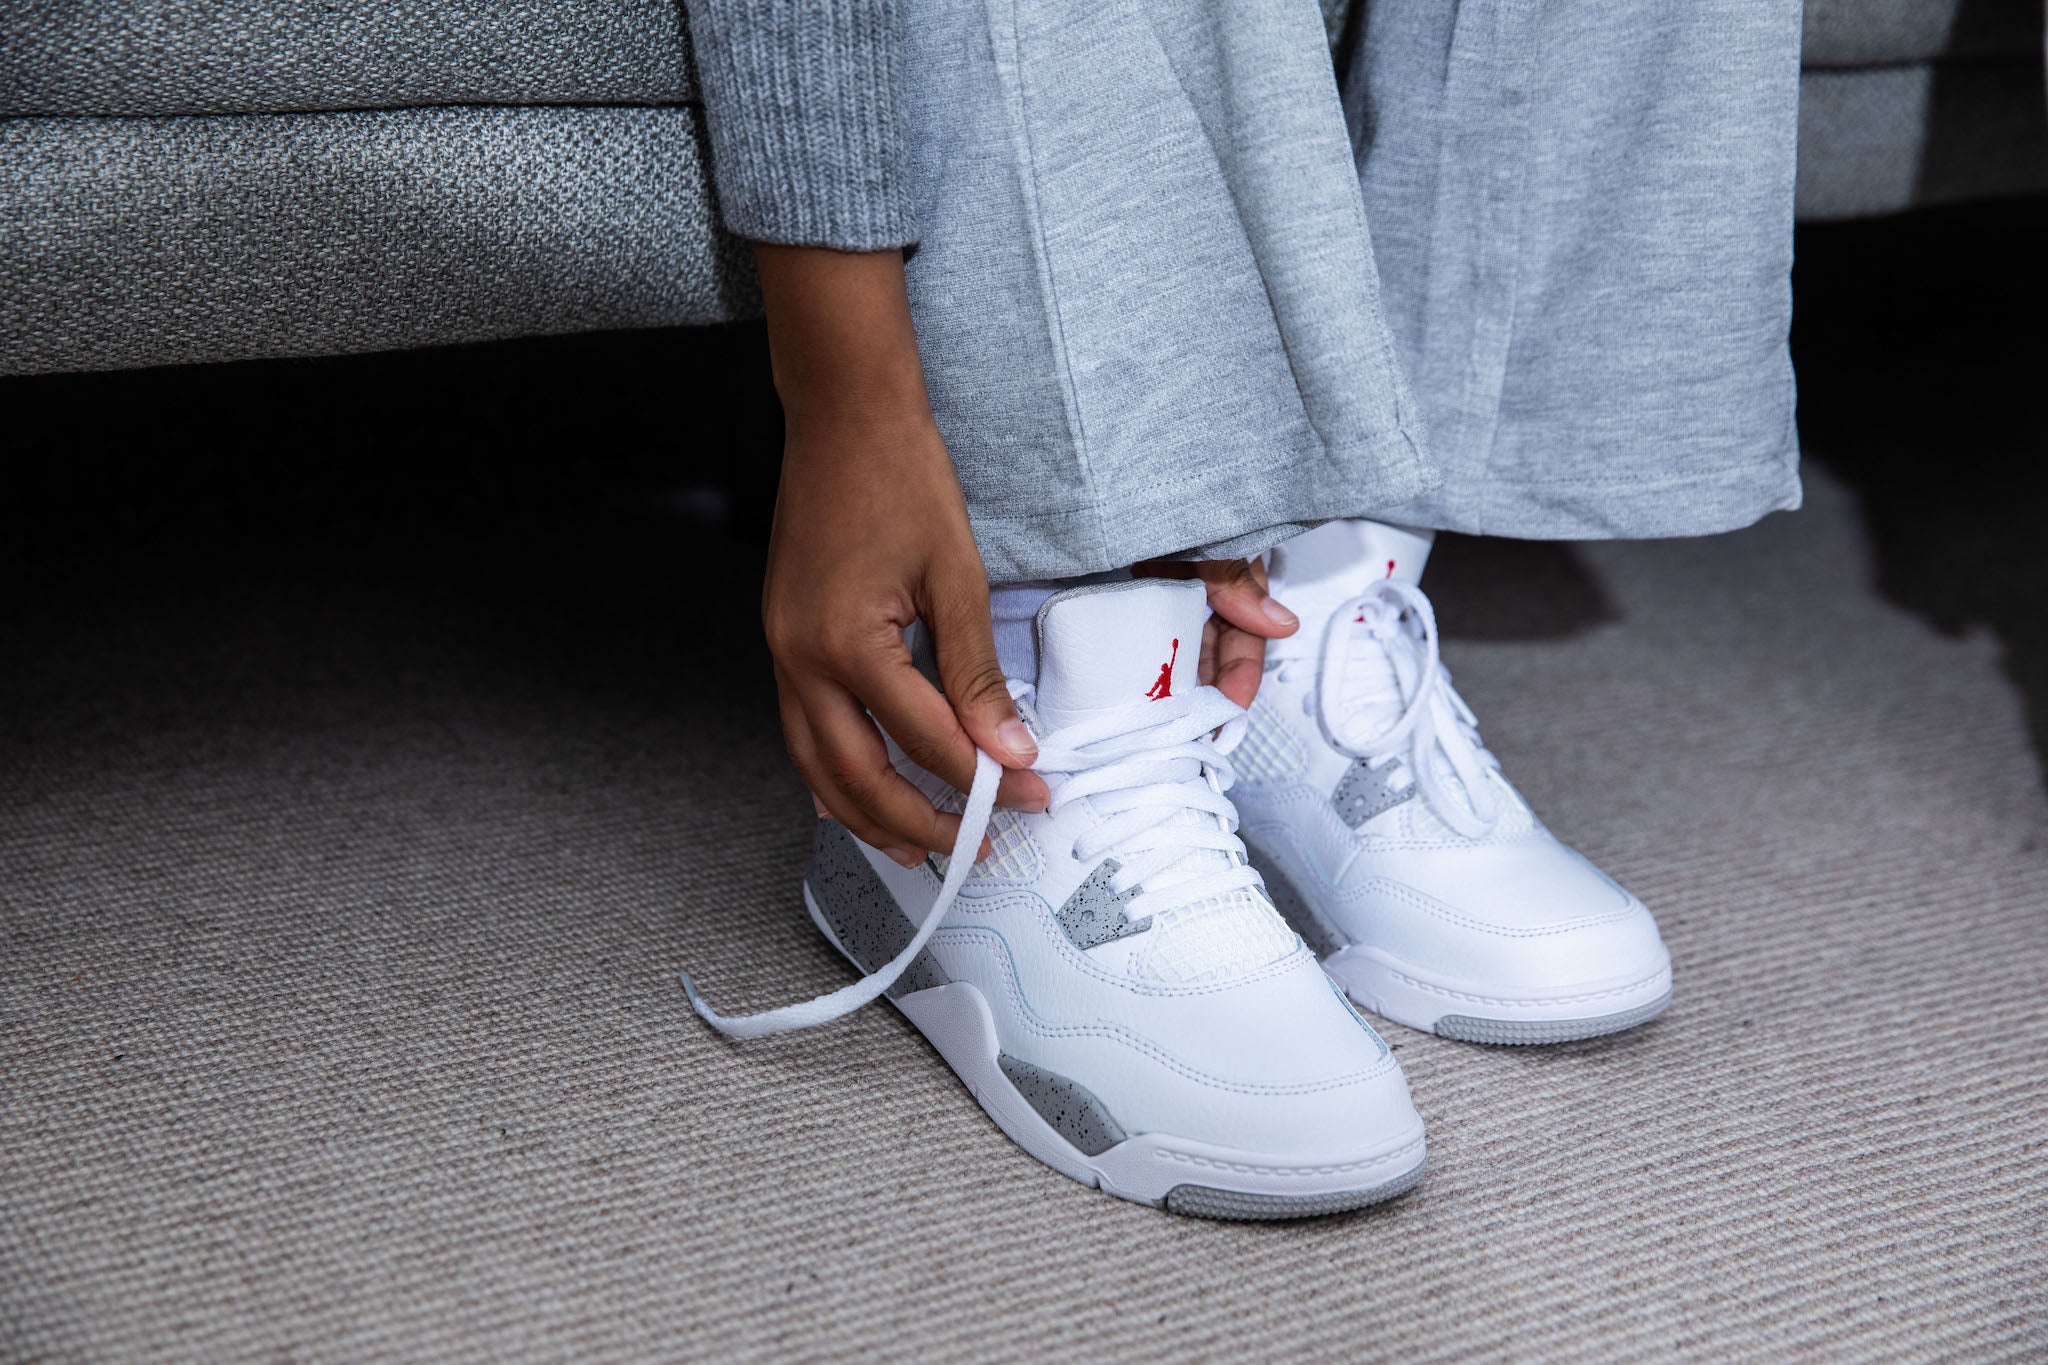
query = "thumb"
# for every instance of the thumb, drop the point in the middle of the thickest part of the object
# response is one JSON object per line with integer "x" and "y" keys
{"x": 1237, "y": 593}
{"x": 964, "y": 639}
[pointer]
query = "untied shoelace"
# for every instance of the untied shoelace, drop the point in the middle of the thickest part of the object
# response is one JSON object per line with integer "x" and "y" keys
{"x": 1144, "y": 766}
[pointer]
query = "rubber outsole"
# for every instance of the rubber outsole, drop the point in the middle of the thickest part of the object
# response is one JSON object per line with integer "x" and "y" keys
{"x": 1407, "y": 996}
{"x": 1528, "y": 1032}
{"x": 1400, "y": 993}
{"x": 1203, "y": 1201}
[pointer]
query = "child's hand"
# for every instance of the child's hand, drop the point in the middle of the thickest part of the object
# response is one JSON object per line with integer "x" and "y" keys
{"x": 1243, "y": 619}
{"x": 870, "y": 534}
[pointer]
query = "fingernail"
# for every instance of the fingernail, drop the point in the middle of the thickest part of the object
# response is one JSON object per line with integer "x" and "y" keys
{"x": 1017, "y": 739}
{"x": 1278, "y": 614}
{"x": 905, "y": 857}
{"x": 1034, "y": 805}
{"x": 819, "y": 806}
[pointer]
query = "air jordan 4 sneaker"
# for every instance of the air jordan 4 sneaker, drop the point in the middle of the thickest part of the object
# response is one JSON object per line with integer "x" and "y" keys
{"x": 1112, "y": 983}
{"x": 1391, "y": 842}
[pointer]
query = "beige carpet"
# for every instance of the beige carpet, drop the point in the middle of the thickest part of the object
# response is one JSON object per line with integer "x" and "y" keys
{"x": 342, "y": 906}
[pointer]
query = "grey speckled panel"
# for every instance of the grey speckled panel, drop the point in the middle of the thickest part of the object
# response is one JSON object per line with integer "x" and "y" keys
{"x": 1095, "y": 915}
{"x": 865, "y": 918}
{"x": 1365, "y": 791}
{"x": 1302, "y": 917}
{"x": 1070, "y": 1108}
{"x": 203, "y": 57}
{"x": 1201, "y": 1201}
{"x": 1467, "y": 1029}
{"x": 165, "y": 241}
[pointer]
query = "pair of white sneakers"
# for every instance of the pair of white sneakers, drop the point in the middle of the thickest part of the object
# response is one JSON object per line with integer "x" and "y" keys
{"x": 1146, "y": 985}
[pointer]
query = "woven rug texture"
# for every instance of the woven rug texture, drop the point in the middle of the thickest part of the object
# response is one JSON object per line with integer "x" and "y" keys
{"x": 342, "y": 909}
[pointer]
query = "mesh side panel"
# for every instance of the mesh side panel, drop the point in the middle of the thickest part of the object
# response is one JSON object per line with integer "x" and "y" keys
{"x": 1224, "y": 935}
{"x": 1238, "y": 931}
{"x": 1270, "y": 750}
{"x": 1423, "y": 823}
{"x": 1013, "y": 853}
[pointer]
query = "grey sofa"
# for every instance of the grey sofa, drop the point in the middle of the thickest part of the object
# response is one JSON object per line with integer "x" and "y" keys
{"x": 1913, "y": 102}
{"x": 182, "y": 180}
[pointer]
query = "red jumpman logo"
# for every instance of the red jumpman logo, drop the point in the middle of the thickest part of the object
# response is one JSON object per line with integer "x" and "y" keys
{"x": 1164, "y": 687}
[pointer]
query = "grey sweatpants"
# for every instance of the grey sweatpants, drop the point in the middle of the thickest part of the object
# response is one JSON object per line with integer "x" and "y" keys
{"x": 1168, "y": 303}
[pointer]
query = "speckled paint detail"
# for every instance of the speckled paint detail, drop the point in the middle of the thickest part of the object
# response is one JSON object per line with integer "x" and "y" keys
{"x": 1302, "y": 917}
{"x": 870, "y": 926}
{"x": 1071, "y": 1109}
{"x": 1094, "y": 914}
{"x": 1364, "y": 792}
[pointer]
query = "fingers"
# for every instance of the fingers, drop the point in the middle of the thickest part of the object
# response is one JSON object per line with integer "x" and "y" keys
{"x": 1240, "y": 662}
{"x": 835, "y": 691}
{"x": 913, "y": 713}
{"x": 868, "y": 518}
{"x": 1205, "y": 672}
{"x": 957, "y": 612}
{"x": 840, "y": 756}
{"x": 1237, "y": 593}
{"x": 1243, "y": 617}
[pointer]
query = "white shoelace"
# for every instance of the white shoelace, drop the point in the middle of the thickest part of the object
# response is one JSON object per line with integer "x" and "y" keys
{"x": 1395, "y": 621}
{"x": 1144, "y": 766}
{"x": 823, "y": 1009}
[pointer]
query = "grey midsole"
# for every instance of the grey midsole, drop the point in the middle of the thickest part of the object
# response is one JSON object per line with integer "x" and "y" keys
{"x": 1070, "y": 1107}
{"x": 867, "y": 924}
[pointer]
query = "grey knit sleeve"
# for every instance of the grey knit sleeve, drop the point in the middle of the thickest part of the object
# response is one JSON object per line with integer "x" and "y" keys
{"x": 802, "y": 107}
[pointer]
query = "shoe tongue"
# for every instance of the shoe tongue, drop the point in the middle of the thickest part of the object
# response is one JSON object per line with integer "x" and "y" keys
{"x": 1113, "y": 644}
{"x": 1317, "y": 570}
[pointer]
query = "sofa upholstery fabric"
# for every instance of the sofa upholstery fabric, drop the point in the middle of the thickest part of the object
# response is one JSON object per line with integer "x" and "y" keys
{"x": 1886, "y": 32}
{"x": 164, "y": 241}
{"x": 313, "y": 56}
{"x": 182, "y": 180}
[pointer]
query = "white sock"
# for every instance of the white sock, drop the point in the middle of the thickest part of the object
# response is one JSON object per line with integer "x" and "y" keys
{"x": 1015, "y": 608}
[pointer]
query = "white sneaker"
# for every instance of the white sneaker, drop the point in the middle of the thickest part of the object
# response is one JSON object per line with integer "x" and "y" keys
{"x": 1111, "y": 982}
{"x": 1391, "y": 841}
